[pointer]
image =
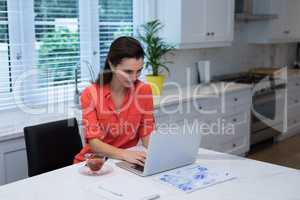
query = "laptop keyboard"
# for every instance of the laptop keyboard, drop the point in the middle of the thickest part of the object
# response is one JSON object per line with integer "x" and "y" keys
{"x": 138, "y": 167}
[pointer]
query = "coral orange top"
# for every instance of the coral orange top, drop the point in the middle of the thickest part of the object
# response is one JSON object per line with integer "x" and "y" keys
{"x": 121, "y": 129}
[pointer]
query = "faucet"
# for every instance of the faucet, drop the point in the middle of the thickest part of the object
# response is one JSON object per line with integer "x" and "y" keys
{"x": 77, "y": 93}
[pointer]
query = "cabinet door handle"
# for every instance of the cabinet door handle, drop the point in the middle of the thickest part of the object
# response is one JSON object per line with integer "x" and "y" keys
{"x": 287, "y": 32}
{"x": 200, "y": 107}
{"x": 208, "y": 34}
{"x": 234, "y": 120}
{"x": 234, "y": 145}
{"x": 296, "y": 100}
{"x": 212, "y": 33}
{"x": 236, "y": 99}
{"x": 297, "y": 84}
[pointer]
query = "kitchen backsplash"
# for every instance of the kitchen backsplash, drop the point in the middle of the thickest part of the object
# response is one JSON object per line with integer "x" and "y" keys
{"x": 241, "y": 56}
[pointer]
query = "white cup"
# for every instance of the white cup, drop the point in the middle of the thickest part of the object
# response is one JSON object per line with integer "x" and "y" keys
{"x": 204, "y": 71}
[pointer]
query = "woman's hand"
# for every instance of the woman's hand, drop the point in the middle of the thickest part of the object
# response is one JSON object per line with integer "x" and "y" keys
{"x": 135, "y": 157}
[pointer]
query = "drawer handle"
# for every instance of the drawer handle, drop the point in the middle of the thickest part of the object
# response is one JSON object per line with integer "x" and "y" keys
{"x": 297, "y": 84}
{"x": 236, "y": 99}
{"x": 296, "y": 100}
{"x": 212, "y": 33}
{"x": 234, "y": 145}
{"x": 208, "y": 34}
{"x": 234, "y": 120}
{"x": 200, "y": 107}
{"x": 295, "y": 121}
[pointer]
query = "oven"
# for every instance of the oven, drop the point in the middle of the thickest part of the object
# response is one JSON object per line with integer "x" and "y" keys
{"x": 267, "y": 113}
{"x": 268, "y": 104}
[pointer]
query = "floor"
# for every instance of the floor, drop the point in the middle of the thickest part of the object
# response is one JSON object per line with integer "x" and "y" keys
{"x": 285, "y": 153}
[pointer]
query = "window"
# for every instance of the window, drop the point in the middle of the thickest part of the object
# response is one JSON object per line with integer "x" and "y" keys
{"x": 56, "y": 44}
{"x": 115, "y": 19}
{"x": 51, "y": 38}
{"x": 5, "y": 78}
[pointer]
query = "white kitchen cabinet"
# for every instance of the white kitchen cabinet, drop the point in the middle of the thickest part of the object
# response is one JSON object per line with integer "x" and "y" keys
{"x": 220, "y": 20}
{"x": 13, "y": 160}
{"x": 230, "y": 128}
{"x": 281, "y": 30}
{"x": 223, "y": 122}
{"x": 197, "y": 23}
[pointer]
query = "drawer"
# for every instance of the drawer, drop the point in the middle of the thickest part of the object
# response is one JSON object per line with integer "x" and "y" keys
{"x": 222, "y": 130}
{"x": 229, "y": 133}
{"x": 293, "y": 83}
{"x": 232, "y": 145}
{"x": 291, "y": 101}
{"x": 293, "y": 97}
{"x": 237, "y": 118}
{"x": 293, "y": 119}
{"x": 235, "y": 100}
{"x": 207, "y": 106}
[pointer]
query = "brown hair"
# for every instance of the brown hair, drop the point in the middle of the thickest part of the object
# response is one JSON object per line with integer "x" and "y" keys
{"x": 122, "y": 47}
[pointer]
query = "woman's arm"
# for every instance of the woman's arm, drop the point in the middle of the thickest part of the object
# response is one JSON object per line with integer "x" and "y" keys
{"x": 135, "y": 157}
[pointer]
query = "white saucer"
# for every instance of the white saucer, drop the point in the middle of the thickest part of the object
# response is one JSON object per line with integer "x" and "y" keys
{"x": 85, "y": 170}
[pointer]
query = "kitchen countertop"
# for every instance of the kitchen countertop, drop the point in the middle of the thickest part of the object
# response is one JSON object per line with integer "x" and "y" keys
{"x": 280, "y": 73}
{"x": 173, "y": 96}
{"x": 293, "y": 73}
{"x": 17, "y": 119}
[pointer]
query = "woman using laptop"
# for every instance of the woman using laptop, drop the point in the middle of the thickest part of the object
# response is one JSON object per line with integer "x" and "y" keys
{"x": 117, "y": 109}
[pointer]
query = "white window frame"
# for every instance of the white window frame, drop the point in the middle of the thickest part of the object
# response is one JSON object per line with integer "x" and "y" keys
{"x": 22, "y": 37}
{"x": 89, "y": 34}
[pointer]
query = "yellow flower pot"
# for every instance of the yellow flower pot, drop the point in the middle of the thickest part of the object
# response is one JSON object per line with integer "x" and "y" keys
{"x": 156, "y": 83}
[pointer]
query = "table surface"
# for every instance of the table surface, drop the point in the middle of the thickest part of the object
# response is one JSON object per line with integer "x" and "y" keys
{"x": 255, "y": 180}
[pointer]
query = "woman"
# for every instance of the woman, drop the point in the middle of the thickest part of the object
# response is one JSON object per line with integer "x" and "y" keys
{"x": 118, "y": 108}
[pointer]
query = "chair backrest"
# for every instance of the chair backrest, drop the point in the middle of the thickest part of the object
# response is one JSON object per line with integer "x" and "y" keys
{"x": 51, "y": 145}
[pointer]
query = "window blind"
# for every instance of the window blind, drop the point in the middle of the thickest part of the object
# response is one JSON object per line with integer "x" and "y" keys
{"x": 115, "y": 19}
{"x": 5, "y": 69}
{"x": 57, "y": 46}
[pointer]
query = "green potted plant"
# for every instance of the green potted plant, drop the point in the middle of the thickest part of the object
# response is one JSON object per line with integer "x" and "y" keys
{"x": 156, "y": 49}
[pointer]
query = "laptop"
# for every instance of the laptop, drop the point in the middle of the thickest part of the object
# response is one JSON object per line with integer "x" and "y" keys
{"x": 167, "y": 151}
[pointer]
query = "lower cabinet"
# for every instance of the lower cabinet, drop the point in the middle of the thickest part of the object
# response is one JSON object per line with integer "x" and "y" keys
{"x": 229, "y": 133}
{"x": 225, "y": 131}
{"x": 13, "y": 160}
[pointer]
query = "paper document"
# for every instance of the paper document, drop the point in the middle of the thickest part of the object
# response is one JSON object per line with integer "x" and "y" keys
{"x": 194, "y": 177}
{"x": 126, "y": 188}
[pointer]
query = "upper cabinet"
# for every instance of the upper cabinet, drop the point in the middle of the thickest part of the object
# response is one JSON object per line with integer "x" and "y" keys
{"x": 197, "y": 23}
{"x": 285, "y": 28}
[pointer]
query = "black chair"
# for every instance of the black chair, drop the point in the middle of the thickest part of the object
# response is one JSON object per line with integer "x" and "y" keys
{"x": 51, "y": 145}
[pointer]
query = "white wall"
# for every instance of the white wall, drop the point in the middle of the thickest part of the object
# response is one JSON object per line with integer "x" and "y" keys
{"x": 237, "y": 58}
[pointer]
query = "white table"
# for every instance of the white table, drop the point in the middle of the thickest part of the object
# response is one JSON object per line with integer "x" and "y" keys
{"x": 256, "y": 180}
